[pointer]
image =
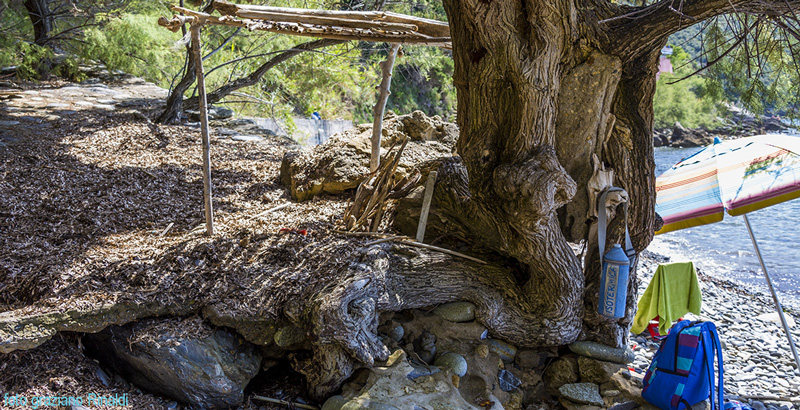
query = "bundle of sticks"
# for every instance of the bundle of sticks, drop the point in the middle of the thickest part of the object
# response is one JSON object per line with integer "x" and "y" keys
{"x": 366, "y": 211}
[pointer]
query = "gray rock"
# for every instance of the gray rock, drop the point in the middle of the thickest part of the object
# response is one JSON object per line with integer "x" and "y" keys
{"x": 453, "y": 362}
{"x": 422, "y": 370}
{"x": 208, "y": 371}
{"x": 560, "y": 372}
{"x": 8, "y": 123}
{"x": 507, "y": 380}
{"x": 425, "y": 346}
{"x": 602, "y": 352}
{"x": 682, "y": 137}
{"x": 628, "y": 405}
{"x": 585, "y": 393}
{"x": 506, "y": 351}
{"x": 456, "y": 311}
{"x": 241, "y": 122}
{"x": 531, "y": 359}
{"x": 334, "y": 403}
{"x": 367, "y": 405}
{"x": 219, "y": 113}
{"x": 598, "y": 371}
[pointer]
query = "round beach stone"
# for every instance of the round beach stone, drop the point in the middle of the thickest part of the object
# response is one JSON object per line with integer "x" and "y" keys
{"x": 456, "y": 311}
{"x": 506, "y": 351}
{"x": 453, "y": 362}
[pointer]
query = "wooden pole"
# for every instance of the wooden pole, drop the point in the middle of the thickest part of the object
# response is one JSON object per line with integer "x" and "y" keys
{"x": 426, "y": 206}
{"x": 380, "y": 107}
{"x": 201, "y": 90}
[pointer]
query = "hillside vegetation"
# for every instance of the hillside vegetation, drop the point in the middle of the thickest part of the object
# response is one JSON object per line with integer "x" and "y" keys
{"x": 338, "y": 81}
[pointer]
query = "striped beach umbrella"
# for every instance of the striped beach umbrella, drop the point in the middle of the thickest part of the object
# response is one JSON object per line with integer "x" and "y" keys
{"x": 737, "y": 177}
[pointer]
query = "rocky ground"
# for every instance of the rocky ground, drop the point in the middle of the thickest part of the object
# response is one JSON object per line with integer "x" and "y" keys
{"x": 100, "y": 208}
{"x": 759, "y": 366}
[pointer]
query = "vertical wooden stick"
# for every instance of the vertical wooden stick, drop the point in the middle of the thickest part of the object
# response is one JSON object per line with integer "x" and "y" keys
{"x": 380, "y": 106}
{"x": 201, "y": 90}
{"x": 426, "y": 206}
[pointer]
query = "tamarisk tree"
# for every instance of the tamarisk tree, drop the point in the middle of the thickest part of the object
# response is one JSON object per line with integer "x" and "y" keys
{"x": 542, "y": 87}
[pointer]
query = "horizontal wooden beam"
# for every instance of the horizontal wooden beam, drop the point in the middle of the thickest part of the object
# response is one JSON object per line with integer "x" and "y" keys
{"x": 319, "y": 24}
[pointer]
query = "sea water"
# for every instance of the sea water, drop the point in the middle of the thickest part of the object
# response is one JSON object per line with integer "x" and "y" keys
{"x": 724, "y": 249}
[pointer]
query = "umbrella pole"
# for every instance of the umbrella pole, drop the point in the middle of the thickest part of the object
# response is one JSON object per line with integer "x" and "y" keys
{"x": 772, "y": 290}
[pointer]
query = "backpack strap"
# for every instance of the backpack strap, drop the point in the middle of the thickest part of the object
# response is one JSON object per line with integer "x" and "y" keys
{"x": 602, "y": 226}
{"x": 712, "y": 344}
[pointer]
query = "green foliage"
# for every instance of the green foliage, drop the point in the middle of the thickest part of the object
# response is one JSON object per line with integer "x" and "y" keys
{"x": 688, "y": 101}
{"x": 69, "y": 69}
{"x": 423, "y": 80}
{"x": 30, "y": 59}
{"x": 761, "y": 74}
{"x": 132, "y": 43}
{"x": 338, "y": 81}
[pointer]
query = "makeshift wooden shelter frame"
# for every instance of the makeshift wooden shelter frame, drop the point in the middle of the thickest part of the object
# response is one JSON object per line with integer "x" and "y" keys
{"x": 376, "y": 26}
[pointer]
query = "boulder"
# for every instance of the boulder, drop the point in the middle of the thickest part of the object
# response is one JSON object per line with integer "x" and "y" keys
{"x": 598, "y": 371}
{"x": 560, "y": 372}
{"x": 600, "y": 351}
{"x": 683, "y": 137}
{"x": 342, "y": 162}
{"x": 183, "y": 359}
{"x": 773, "y": 124}
{"x": 219, "y": 113}
{"x": 582, "y": 393}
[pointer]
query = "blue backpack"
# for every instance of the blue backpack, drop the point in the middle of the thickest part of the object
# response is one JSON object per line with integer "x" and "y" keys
{"x": 682, "y": 371}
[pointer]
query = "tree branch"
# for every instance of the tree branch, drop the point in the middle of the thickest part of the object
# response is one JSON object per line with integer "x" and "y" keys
{"x": 256, "y": 75}
{"x": 646, "y": 28}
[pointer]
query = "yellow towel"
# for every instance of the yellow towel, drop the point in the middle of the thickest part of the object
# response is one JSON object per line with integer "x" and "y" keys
{"x": 673, "y": 291}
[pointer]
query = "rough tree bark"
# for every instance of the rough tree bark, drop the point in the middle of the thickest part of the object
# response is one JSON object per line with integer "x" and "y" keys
{"x": 541, "y": 87}
{"x": 42, "y": 20}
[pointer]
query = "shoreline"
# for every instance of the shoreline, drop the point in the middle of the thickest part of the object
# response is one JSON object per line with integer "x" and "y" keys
{"x": 758, "y": 363}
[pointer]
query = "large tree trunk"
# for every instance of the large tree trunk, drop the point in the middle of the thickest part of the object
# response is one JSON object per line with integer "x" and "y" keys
{"x": 42, "y": 20}
{"x": 537, "y": 98}
{"x": 509, "y": 63}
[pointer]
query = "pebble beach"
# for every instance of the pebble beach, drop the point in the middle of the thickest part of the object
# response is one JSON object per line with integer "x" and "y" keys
{"x": 758, "y": 364}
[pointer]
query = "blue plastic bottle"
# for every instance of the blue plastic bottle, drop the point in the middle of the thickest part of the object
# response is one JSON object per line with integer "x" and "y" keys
{"x": 614, "y": 283}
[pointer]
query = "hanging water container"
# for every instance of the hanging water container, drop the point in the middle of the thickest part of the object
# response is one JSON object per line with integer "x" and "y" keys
{"x": 614, "y": 283}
